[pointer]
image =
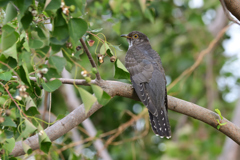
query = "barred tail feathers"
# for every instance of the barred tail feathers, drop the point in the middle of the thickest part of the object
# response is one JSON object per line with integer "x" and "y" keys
{"x": 160, "y": 124}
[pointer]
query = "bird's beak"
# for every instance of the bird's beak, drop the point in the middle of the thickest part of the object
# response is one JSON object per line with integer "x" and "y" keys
{"x": 125, "y": 36}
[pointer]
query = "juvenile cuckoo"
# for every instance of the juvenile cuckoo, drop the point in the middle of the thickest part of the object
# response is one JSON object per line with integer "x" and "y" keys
{"x": 148, "y": 80}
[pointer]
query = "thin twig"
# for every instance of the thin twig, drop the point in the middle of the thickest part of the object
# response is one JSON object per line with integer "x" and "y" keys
{"x": 117, "y": 132}
{"x": 122, "y": 127}
{"x": 200, "y": 57}
{"x": 90, "y": 58}
{"x": 6, "y": 88}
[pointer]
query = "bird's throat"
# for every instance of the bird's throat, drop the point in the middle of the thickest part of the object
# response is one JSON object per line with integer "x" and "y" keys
{"x": 130, "y": 43}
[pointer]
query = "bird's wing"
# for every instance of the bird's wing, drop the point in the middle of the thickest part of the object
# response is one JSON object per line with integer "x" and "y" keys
{"x": 148, "y": 80}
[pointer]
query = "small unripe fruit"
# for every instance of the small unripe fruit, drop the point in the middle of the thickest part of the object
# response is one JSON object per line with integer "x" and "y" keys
{"x": 94, "y": 70}
{"x": 88, "y": 79}
{"x": 72, "y": 8}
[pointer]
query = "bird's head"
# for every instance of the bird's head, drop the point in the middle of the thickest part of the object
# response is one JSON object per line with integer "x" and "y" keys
{"x": 135, "y": 38}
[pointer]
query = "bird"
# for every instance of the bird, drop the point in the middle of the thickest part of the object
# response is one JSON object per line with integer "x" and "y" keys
{"x": 148, "y": 80}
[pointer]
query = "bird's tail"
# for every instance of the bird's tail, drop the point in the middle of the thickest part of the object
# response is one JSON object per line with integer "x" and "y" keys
{"x": 160, "y": 124}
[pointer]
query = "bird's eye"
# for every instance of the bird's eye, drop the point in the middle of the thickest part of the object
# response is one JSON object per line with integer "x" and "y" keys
{"x": 135, "y": 36}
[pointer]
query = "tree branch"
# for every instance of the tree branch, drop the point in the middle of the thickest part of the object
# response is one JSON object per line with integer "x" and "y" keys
{"x": 114, "y": 88}
{"x": 90, "y": 58}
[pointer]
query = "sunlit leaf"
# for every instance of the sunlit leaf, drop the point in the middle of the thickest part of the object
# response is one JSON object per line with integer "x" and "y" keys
{"x": 9, "y": 144}
{"x": 6, "y": 76}
{"x": 8, "y": 122}
{"x": 87, "y": 98}
{"x": 52, "y": 85}
{"x": 29, "y": 103}
{"x": 11, "y": 52}
{"x": 102, "y": 97}
{"x": 57, "y": 62}
{"x": 11, "y": 13}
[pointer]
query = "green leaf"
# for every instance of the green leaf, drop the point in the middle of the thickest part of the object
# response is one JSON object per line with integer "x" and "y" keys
{"x": 87, "y": 98}
{"x": 52, "y": 85}
{"x": 23, "y": 75}
{"x": 22, "y": 5}
{"x": 102, "y": 97}
{"x": 57, "y": 62}
{"x": 26, "y": 45}
{"x": 24, "y": 65}
{"x": 29, "y": 129}
{"x": 120, "y": 71}
{"x": 6, "y": 76}
{"x": 44, "y": 141}
{"x": 52, "y": 73}
{"x": 54, "y": 4}
{"x": 104, "y": 48}
{"x": 32, "y": 111}
{"x": 60, "y": 30}
{"x": 27, "y": 149}
{"x": 29, "y": 103}
{"x": 218, "y": 127}
{"x": 9, "y": 144}
{"x": 77, "y": 28}
{"x": 26, "y": 20}
{"x": 11, "y": 13}
{"x": 35, "y": 43}
{"x": 9, "y": 122}
{"x": 11, "y": 52}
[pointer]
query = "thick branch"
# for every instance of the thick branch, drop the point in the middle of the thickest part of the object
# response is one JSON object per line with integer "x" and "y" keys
{"x": 125, "y": 90}
{"x": 90, "y": 58}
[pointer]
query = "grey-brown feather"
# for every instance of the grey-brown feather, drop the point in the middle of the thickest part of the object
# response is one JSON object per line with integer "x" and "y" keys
{"x": 148, "y": 79}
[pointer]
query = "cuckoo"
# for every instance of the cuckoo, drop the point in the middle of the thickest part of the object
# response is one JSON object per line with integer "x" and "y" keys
{"x": 148, "y": 80}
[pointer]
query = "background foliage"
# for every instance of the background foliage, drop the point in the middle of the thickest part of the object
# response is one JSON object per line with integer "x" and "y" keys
{"x": 30, "y": 46}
